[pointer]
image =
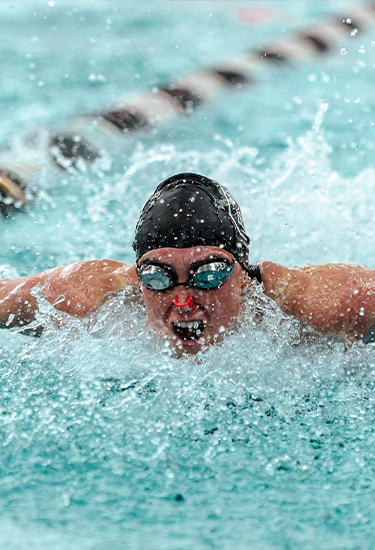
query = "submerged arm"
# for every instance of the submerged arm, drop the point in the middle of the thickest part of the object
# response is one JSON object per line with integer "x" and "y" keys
{"x": 333, "y": 298}
{"x": 77, "y": 289}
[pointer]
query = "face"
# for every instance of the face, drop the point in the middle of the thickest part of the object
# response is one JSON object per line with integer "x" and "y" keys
{"x": 207, "y": 314}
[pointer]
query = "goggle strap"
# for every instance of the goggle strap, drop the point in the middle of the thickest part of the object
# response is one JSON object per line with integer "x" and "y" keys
{"x": 254, "y": 272}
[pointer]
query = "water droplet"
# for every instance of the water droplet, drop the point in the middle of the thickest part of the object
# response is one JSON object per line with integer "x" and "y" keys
{"x": 343, "y": 51}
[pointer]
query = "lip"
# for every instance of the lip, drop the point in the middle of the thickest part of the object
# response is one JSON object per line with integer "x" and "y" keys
{"x": 193, "y": 330}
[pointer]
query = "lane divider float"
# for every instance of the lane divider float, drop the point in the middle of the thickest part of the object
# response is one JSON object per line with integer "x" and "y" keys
{"x": 14, "y": 189}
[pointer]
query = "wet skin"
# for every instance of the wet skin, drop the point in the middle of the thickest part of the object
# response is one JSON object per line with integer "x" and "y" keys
{"x": 331, "y": 298}
{"x": 213, "y": 310}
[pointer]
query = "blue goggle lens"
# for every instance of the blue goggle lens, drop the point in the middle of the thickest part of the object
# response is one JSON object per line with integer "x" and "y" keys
{"x": 155, "y": 277}
{"x": 207, "y": 276}
{"x": 212, "y": 275}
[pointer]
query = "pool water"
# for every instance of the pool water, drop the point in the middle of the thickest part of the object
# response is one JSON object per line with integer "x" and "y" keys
{"x": 108, "y": 441}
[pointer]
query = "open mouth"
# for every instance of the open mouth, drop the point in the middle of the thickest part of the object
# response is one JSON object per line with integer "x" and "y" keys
{"x": 188, "y": 331}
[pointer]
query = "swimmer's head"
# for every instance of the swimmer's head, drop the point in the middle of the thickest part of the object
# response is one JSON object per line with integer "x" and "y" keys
{"x": 188, "y": 210}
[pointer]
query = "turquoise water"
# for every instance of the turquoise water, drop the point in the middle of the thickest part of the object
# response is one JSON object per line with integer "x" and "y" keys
{"x": 266, "y": 441}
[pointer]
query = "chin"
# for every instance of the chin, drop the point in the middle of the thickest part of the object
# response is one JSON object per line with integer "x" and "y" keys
{"x": 184, "y": 341}
{"x": 181, "y": 348}
{"x": 192, "y": 347}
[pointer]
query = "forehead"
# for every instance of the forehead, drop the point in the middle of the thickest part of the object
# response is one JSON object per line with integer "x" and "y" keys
{"x": 185, "y": 256}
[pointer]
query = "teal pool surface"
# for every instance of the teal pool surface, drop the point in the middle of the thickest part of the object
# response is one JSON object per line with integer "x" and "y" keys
{"x": 265, "y": 442}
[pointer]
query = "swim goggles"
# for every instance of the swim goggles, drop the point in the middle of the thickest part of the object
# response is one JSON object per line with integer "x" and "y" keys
{"x": 206, "y": 276}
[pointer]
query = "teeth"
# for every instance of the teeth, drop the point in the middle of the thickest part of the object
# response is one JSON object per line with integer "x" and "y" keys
{"x": 188, "y": 330}
{"x": 191, "y": 325}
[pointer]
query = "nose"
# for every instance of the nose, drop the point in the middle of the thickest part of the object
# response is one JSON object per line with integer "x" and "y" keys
{"x": 187, "y": 303}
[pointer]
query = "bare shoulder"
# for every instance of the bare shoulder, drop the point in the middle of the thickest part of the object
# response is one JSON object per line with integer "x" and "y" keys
{"x": 277, "y": 276}
{"x": 330, "y": 297}
{"x": 77, "y": 289}
{"x": 102, "y": 271}
{"x": 83, "y": 284}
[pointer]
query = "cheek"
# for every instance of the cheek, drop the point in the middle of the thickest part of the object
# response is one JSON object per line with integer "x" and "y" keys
{"x": 156, "y": 304}
{"x": 225, "y": 304}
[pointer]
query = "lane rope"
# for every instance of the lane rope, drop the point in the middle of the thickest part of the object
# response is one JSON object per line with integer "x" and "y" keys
{"x": 86, "y": 137}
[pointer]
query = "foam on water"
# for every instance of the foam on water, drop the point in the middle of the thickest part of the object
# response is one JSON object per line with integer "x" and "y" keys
{"x": 99, "y": 420}
{"x": 269, "y": 429}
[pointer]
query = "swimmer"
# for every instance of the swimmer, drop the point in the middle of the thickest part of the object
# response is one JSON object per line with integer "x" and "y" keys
{"x": 192, "y": 268}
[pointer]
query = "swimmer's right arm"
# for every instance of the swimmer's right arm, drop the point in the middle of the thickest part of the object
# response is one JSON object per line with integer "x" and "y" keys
{"x": 78, "y": 288}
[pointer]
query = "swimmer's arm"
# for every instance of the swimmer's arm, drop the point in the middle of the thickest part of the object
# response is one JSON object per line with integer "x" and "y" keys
{"x": 78, "y": 288}
{"x": 333, "y": 298}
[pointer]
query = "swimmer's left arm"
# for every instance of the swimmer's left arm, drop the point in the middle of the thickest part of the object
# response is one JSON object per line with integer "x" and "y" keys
{"x": 333, "y": 298}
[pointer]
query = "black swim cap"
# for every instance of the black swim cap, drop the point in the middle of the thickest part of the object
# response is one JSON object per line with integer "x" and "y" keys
{"x": 191, "y": 210}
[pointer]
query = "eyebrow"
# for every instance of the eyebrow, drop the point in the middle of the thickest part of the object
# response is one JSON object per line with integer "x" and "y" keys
{"x": 195, "y": 264}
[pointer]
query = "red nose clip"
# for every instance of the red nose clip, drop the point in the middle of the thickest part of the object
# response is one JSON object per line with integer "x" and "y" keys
{"x": 189, "y": 302}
